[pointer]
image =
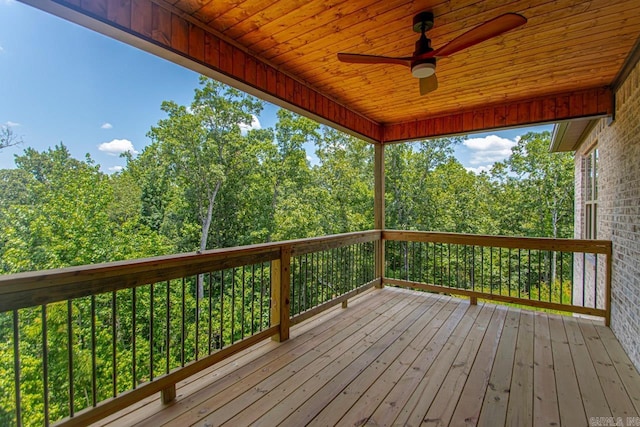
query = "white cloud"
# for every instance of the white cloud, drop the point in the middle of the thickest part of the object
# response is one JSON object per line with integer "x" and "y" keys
{"x": 117, "y": 146}
{"x": 11, "y": 124}
{"x": 1, "y": 49}
{"x": 115, "y": 168}
{"x": 106, "y": 125}
{"x": 490, "y": 149}
{"x": 309, "y": 158}
{"x": 479, "y": 169}
{"x": 7, "y": 2}
{"x": 255, "y": 124}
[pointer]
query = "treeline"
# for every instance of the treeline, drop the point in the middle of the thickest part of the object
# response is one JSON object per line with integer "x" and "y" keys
{"x": 206, "y": 182}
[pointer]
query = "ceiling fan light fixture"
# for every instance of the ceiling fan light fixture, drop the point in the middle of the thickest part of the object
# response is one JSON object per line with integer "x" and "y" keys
{"x": 423, "y": 70}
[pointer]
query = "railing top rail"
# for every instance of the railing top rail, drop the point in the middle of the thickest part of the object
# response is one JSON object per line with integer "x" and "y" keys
{"x": 539, "y": 243}
{"x": 39, "y": 287}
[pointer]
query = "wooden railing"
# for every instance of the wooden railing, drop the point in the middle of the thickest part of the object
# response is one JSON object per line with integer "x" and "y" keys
{"x": 106, "y": 336}
{"x": 558, "y": 274}
{"x": 103, "y": 337}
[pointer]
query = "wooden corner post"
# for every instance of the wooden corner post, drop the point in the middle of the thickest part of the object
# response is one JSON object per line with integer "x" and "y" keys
{"x": 378, "y": 208}
{"x": 280, "y": 293}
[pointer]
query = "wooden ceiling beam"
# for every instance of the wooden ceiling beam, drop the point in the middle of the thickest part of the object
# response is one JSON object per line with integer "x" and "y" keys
{"x": 159, "y": 28}
{"x": 594, "y": 102}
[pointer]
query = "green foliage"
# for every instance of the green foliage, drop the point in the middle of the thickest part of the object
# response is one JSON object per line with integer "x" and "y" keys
{"x": 534, "y": 189}
{"x": 428, "y": 189}
{"x": 206, "y": 182}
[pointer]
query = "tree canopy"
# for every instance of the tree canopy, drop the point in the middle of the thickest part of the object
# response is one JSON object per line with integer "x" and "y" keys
{"x": 207, "y": 181}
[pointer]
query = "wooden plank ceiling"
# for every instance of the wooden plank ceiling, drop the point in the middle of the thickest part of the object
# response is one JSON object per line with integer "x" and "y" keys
{"x": 558, "y": 66}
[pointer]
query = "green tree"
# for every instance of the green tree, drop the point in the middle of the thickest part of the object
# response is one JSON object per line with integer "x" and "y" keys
{"x": 345, "y": 176}
{"x": 539, "y": 184}
{"x": 202, "y": 144}
{"x": 292, "y": 211}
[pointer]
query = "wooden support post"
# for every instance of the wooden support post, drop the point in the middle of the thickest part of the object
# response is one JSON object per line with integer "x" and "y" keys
{"x": 280, "y": 293}
{"x": 378, "y": 208}
{"x": 344, "y": 304}
{"x": 168, "y": 394}
{"x": 473, "y": 300}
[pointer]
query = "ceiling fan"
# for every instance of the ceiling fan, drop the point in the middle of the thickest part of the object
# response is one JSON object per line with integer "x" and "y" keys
{"x": 423, "y": 61}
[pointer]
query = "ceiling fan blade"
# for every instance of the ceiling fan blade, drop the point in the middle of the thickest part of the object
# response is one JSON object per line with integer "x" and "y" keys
{"x": 482, "y": 32}
{"x": 356, "y": 58}
{"x": 428, "y": 84}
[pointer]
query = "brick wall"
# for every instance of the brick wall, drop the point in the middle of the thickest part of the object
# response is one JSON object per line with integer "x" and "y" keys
{"x": 619, "y": 207}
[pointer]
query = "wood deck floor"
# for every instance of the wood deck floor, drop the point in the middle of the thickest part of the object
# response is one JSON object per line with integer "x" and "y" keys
{"x": 399, "y": 357}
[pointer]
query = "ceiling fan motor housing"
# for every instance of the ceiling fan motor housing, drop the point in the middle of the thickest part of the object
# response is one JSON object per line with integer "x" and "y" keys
{"x": 423, "y": 19}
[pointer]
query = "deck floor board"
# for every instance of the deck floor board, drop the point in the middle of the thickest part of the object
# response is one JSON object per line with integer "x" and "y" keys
{"x": 401, "y": 357}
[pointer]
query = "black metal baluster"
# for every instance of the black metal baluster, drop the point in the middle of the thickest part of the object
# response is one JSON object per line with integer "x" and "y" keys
{"x": 595, "y": 282}
{"x": 184, "y": 321}
{"x": 210, "y": 323}
{"x": 295, "y": 265}
{"x": 519, "y": 272}
{"x": 500, "y": 271}
{"x": 333, "y": 272}
{"x": 571, "y": 276}
{"x": 262, "y": 295}
{"x": 133, "y": 336}
{"x": 233, "y": 305}
{"x": 465, "y": 267}
{"x": 550, "y": 275}
{"x": 509, "y": 272}
{"x": 253, "y": 296}
{"x": 440, "y": 262}
{"x": 473, "y": 268}
{"x": 457, "y": 266}
{"x": 405, "y": 260}
{"x": 345, "y": 268}
{"x": 94, "y": 369}
{"x": 399, "y": 259}
{"x": 69, "y": 353}
{"x": 584, "y": 275}
{"x": 319, "y": 285}
{"x": 435, "y": 261}
{"x": 302, "y": 281}
{"x": 45, "y": 366}
{"x": 151, "y": 318}
{"x": 529, "y": 274}
{"x": 221, "y": 308}
{"x": 114, "y": 339}
{"x": 412, "y": 276}
{"x": 561, "y": 275}
{"x": 323, "y": 277}
{"x": 199, "y": 282}
{"x": 313, "y": 283}
{"x": 242, "y": 325}
{"x": 16, "y": 369}
{"x": 539, "y": 275}
{"x": 168, "y": 328}
{"x": 491, "y": 270}
{"x": 449, "y": 264}
{"x": 353, "y": 265}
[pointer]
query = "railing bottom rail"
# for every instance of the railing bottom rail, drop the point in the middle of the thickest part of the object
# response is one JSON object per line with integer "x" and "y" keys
{"x": 495, "y": 297}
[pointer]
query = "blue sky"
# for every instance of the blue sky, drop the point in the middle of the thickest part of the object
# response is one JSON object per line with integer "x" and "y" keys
{"x": 60, "y": 82}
